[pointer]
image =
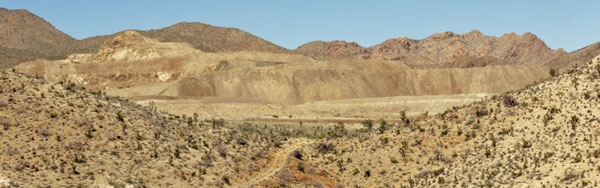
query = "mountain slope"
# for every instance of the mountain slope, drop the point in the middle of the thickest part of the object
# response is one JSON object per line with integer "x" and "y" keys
{"x": 577, "y": 58}
{"x": 213, "y": 39}
{"x": 26, "y": 37}
{"x": 201, "y": 36}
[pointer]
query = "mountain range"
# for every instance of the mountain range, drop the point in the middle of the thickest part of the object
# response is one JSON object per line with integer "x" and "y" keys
{"x": 25, "y": 37}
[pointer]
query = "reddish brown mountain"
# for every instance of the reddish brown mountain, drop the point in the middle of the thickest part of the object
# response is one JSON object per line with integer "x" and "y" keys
{"x": 446, "y": 50}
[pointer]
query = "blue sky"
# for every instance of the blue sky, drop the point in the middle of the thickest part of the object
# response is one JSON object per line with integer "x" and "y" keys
{"x": 561, "y": 24}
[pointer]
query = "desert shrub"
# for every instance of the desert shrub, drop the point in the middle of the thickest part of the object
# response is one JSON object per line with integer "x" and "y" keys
{"x": 517, "y": 173}
{"x": 577, "y": 158}
{"x": 89, "y": 134}
{"x": 323, "y": 147}
{"x": 403, "y": 115}
{"x": 554, "y": 110}
{"x": 525, "y": 144}
{"x": 340, "y": 128}
{"x": 574, "y": 120}
{"x": 177, "y": 153}
{"x": 382, "y": 126}
{"x": 488, "y": 152}
{"x": 368, "y": 124}
{"x": 120, "y": 117}
{"x": 586, "y": 95}
{"x": 217, "y": 122}
{"x": 596, "y": 153}
{"x": 509, "y": 101}
{"x": 225, "y": 179}
{"x": 297, "y": 154}
{"x": 481, "y": 112}
{"x": 300, "y": 167}
{"x": 79, "y": 158}
{"x": 547, "y": 118}
{"x": 190, "y": 121}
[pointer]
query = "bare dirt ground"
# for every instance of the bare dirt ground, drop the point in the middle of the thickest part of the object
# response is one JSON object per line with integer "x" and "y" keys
{"x": 347, "y": 111}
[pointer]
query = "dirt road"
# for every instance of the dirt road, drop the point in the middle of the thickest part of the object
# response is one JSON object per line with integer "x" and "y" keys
{"x": 279, "y": 162}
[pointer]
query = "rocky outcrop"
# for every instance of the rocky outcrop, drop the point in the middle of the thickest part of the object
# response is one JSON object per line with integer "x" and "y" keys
{"x": 336, "y": 48}
{"x": 132, "y": 46}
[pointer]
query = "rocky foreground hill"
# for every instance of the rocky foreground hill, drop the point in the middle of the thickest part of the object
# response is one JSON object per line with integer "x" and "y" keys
{"x": 62, "y": 135}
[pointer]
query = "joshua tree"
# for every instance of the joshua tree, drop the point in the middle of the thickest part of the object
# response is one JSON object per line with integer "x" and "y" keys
{"x": 553, "y": 72}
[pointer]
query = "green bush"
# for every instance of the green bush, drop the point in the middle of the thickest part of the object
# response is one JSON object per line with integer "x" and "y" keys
{"x": 368, "y": 124}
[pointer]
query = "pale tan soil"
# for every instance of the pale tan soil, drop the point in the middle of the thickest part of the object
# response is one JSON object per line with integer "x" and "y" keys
{"x": 347, "y": 111}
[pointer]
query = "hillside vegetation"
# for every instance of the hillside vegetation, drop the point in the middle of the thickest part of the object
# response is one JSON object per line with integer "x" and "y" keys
{"x": 543, "y": 135}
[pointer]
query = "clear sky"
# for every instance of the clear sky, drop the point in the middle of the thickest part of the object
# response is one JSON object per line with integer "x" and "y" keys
{"x": 561, "y": 24}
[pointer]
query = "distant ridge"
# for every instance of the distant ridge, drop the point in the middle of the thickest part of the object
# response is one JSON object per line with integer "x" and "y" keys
{"x": 444, "y": 50}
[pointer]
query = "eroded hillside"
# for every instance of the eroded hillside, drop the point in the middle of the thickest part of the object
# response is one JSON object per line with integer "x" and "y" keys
{"x": 136, "y": 67}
